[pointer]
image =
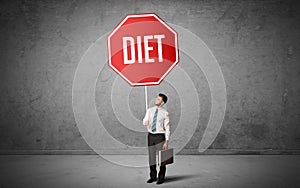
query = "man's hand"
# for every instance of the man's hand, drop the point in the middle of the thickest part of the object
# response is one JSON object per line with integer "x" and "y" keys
{"x": 147, "y": 123}
{"x": 165, "y": 146}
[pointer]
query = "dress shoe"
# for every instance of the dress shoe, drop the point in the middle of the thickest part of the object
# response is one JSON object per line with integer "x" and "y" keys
{"x": 160, "y": 181}
{"x": 151, "y": 180}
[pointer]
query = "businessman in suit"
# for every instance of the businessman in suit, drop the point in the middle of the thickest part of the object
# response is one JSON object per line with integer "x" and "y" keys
{"x": 157, "y": 121}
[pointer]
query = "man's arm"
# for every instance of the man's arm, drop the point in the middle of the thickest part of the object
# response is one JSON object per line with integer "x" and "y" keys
{"x": 168, "y": 129}
{"x": 146, "y": 118}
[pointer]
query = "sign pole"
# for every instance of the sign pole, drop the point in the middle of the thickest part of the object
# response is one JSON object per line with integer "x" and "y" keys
{"x": 134, "y": 57}
{"x": 146, "y": 97}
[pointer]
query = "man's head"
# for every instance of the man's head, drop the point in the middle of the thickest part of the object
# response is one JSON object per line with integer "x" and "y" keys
{"x": 161, "y": 99}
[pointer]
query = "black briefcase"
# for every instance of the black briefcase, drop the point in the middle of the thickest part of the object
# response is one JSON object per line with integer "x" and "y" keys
{"x": 166, "y": 156}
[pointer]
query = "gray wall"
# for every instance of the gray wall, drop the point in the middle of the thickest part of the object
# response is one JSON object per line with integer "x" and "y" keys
{"x": 255, "y": 42}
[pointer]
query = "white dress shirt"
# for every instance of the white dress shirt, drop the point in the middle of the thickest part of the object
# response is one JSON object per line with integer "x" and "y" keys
{"x": 162, "y": 121}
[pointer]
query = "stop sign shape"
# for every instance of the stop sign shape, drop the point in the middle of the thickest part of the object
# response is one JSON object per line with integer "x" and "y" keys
{"x": 143, "y": 49}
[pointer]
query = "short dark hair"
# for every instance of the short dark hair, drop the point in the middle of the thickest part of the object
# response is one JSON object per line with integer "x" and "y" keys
{"x": 164, "y": 97}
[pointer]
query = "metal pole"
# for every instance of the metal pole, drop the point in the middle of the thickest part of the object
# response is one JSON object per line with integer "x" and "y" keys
{"x": 146, "y": 97}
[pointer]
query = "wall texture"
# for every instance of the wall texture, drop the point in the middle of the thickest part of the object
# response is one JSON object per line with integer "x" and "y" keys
{"x": 256, "y": 43}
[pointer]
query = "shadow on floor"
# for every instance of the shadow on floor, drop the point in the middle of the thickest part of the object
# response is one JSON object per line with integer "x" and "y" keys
{"x": 179, "y": 177}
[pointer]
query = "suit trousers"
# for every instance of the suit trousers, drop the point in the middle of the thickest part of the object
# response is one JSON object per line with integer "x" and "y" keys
{"x": 155, "y": 143}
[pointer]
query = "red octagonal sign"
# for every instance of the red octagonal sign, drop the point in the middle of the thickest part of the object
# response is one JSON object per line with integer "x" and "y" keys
{"x": 143, "y": 49}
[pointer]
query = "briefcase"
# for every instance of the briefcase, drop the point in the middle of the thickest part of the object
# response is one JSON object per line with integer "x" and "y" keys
{"x": 166, "y": 156}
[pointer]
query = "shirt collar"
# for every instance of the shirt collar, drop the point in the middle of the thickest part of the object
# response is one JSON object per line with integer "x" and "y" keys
{"x": 158, "y": 107}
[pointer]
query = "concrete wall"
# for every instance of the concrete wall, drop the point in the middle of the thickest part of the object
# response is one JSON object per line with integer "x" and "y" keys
{"x": 256, "y": 43}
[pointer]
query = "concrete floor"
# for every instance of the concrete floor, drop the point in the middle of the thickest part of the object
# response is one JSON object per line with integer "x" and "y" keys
{"x": 188, "y": 171}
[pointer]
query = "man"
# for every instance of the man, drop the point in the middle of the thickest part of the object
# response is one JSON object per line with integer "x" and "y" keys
{"x": 157, "y": 121}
